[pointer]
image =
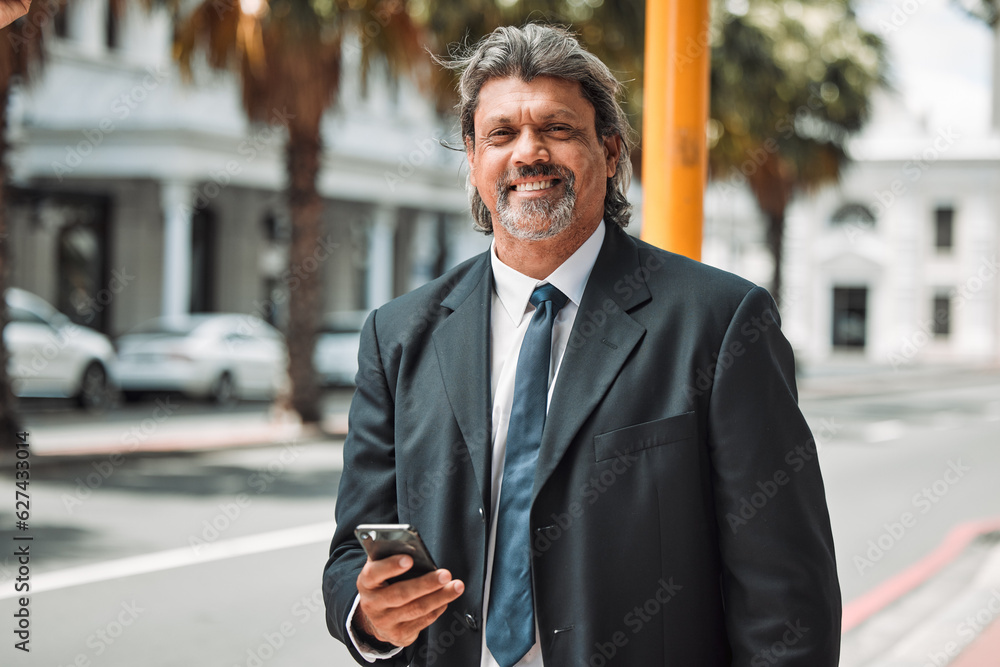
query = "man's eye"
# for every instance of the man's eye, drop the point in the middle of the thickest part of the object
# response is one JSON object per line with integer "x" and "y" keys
{"x": 559, "y": 128}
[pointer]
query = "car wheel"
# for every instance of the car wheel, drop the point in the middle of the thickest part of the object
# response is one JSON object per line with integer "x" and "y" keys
{"x": 224, "y": 391}
{"x": 93, "y": 393}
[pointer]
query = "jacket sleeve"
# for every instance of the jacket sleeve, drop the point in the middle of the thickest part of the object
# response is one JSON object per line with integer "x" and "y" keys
{"x": 367, "y": 491}
{"x": 782, "y": 596}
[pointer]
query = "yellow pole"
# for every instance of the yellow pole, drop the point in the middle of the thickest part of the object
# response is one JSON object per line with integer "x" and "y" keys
{"x": 675, "y": 112}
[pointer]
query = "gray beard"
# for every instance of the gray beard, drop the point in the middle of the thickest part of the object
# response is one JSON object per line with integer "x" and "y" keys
{"x": 539, "y": 219}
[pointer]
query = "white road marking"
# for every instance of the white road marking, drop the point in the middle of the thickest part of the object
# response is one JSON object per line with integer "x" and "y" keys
{"x": 884, "y": 431}
{"x": 174, "y": 558}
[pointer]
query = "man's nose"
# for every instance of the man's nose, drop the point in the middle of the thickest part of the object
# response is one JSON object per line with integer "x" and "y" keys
{"x": 530, "y": 148}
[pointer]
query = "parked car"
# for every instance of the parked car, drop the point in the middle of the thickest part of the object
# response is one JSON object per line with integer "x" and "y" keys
{"x": 51, "y": 357}
{"x": 336, "y": 354}
{"x": 221, "y": 357}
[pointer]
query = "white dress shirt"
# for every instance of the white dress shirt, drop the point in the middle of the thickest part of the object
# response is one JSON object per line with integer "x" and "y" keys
{"x": 511, "y": 312}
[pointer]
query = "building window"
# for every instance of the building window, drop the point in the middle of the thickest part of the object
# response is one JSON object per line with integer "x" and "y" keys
{"x": 853, "y": 214}
{"x": 203, "y": 257}
{"x": 60, "y": 23}
{"x": 942, "y": 315}
{"x": 850, "y": 312}
{"x": 944, "y": 228}
{"x": 112, "y": 25}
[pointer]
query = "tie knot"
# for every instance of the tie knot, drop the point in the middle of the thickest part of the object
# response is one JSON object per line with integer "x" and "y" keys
{"x": 548, "y": 292}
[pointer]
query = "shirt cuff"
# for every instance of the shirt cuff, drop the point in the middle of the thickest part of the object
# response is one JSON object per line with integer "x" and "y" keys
{"x": 366, "y": 651}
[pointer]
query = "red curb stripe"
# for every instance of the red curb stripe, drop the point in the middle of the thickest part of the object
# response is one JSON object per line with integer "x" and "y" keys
{"x": 860, "y": 610}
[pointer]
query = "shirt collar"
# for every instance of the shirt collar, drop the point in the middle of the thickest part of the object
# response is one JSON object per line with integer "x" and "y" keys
{"x": 514, "y": 288}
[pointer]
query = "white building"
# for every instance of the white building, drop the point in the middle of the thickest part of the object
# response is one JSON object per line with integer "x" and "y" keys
{"x": 898, "y": 263}
{"x": 138, "y": 195}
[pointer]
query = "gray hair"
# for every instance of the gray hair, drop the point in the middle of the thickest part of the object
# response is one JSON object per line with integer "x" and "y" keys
{"x": 543, "y": 50}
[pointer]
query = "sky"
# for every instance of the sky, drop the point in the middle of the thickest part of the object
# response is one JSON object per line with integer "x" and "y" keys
{"x": 941, "y": 60}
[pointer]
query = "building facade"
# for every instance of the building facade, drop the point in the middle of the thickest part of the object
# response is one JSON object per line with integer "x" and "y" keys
{"x": 136, "y": 194}
{"x": 895, "y": 265}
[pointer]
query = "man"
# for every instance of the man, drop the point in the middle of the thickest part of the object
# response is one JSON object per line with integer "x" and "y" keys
{"x": 598, "y": 440}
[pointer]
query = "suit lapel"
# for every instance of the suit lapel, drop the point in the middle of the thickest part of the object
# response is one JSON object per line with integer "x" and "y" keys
{"x": 462, "y": 344}
{"x": 596, "y": 351}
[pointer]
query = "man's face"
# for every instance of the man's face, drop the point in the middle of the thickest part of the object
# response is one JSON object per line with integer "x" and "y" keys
{"x": 538, "y": 163}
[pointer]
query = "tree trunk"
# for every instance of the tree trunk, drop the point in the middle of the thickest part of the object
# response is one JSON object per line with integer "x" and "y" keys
{"x": 306, "y": 259}
{"x": 10, "y": 422}
{"x": 776, "y": 242}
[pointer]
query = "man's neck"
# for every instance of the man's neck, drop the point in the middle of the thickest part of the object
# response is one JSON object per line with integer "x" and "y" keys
{"x": 538, "y": 259}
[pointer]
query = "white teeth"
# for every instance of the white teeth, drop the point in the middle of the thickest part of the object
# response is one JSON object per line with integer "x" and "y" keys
{"x": 537, "y": 185}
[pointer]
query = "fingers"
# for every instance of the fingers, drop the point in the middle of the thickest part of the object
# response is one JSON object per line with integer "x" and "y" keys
{"x": 375, "y": 572}
{"x": 396, "y": 613}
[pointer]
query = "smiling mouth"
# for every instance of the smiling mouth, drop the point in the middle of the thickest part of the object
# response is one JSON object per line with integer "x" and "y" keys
{"x": 536, "y": 185}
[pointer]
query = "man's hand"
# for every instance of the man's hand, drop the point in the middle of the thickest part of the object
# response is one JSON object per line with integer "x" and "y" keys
{"x": 396, "y": 613}
{"x": 11, "y": 10}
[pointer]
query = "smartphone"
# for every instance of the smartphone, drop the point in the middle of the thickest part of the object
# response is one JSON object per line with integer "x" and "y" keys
{"x": 381, "y": 540}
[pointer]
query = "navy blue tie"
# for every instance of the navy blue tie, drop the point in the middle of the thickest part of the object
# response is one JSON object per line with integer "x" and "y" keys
{"x": 510, "y": 625}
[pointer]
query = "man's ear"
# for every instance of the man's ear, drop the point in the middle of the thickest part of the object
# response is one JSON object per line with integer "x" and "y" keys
{"x": 612, "y": 152}
{"x": 470, "y": 157}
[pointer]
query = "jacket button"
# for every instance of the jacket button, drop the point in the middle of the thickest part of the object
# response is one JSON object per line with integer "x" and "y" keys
{"x": 470, "y": 621}
{"x": 482, "y": 515}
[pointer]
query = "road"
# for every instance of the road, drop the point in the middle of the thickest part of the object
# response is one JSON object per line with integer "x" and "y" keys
{"x": 214, "y": 558}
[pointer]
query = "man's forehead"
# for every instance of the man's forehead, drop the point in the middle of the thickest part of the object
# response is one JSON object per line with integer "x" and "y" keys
{"x": 504, "y": 99}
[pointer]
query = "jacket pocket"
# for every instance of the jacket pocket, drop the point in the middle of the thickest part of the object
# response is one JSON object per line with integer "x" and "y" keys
{"x": 647, "y": 435}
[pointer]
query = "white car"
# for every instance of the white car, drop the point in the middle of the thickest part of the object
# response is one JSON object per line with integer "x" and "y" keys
{"x": 336, "y": 356}
{"x": 51, "y": 357}
{"x": 222, "y": 357}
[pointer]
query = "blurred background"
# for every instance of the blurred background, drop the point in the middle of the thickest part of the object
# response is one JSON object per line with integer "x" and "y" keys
{"x": 202, "y": 201}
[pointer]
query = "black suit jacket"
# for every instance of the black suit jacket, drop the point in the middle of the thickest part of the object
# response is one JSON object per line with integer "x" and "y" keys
{"x": 678, "y": 515}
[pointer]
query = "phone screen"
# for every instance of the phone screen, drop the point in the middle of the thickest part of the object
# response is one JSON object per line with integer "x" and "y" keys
{"x": 384, "y": 540}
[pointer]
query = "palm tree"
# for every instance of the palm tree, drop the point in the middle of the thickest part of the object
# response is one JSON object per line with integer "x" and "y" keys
{"x": 21, "y": 52}
{"x": 788, "y": 91}
{"x": 287, "y": 55}
{"x": 988, "y": 11}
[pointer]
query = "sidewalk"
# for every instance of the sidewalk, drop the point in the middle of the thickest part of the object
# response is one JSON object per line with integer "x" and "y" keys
{"x": 944, "y": 610}
{"x": 845, "y": 379}
{"x": 161, "y": 433}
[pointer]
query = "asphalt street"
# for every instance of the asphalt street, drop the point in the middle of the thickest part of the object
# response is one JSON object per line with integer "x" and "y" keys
{"x": 214, "y": 558}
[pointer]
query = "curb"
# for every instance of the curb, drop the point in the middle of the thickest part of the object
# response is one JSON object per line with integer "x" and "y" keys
{"x": 862, "y": 609}
{"x": 61, "y": 446}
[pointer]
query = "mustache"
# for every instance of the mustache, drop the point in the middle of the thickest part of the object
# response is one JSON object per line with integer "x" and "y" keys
{"x": 529, "y": 171}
